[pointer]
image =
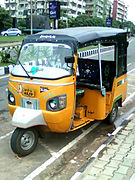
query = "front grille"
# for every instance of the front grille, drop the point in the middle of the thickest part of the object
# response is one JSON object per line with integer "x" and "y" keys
{"x": 30, "y": 103}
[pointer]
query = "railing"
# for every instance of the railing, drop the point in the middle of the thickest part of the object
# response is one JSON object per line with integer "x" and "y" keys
{"x": 8, "y": 69}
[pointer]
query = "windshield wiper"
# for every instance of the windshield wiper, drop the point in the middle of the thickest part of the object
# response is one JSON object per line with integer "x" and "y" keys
{"x": 25, "y": 70}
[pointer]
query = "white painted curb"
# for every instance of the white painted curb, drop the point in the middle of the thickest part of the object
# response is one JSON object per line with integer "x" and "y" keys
{"x": 2, "y": 71}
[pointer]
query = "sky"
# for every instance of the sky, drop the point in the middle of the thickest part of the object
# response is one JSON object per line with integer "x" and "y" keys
{"x": 131, "y": 9}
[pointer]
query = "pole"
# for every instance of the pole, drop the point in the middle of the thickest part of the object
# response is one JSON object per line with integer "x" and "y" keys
{"x": 31, "y": 27}
{"x": 100, "y": 68}
{"x": 54, "y": 23}
{"x": 45, "y": 6}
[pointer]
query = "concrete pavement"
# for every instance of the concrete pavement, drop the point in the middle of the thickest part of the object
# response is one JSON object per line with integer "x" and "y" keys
{"x": 117, "y": 161}
{"x": 2, "y": 45}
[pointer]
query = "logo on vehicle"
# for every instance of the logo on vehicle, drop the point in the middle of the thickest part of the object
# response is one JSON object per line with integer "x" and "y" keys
{"x": 20, "y": 89}
{"x": 43, "y": 89}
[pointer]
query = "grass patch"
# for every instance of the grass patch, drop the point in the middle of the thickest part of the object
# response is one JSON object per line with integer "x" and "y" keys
{"x": 87, "y": 48}
{"x": 5, "y": 64}
{"x": 10, "y": 39}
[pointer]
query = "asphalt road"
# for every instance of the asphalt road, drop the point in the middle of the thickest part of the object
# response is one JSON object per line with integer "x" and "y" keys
{"x": 60, "y": 155}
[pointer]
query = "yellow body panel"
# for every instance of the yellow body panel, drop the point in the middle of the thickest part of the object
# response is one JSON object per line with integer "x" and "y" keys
{"x": 56, "y": 121}
{"x": 99, "y": 106}
{"x": 78, "y": 112}
{"x": 119, "y": 91}
{"x": 95, "y": 103}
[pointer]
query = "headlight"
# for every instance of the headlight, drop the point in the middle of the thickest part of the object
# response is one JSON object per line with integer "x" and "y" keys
{"x": 11, "y": 98}
{"x": 53, "y": 104}
{"x": 57, "y": 103}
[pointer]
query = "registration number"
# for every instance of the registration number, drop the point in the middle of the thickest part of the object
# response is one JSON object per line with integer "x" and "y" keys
{"x": 28, "y": 92}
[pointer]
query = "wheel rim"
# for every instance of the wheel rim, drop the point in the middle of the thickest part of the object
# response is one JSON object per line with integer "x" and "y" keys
{"x": 27, "y": 140}
{"x": 114, "y": 113}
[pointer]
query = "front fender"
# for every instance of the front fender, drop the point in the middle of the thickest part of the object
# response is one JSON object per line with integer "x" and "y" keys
{"x": 25, "y": 118}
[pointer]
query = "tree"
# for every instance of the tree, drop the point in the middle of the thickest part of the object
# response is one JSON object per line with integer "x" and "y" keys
{"x": 129, "y": 25}
{"x": 5, "y": 19}
{"x": 116, "y": 24}
{"x": 22, "y": 24}
{"x": 83, "y": 20}
{"x": 98, "y": 21}
{"x": 62, "y": 24}
{"x": 71, "y": 22}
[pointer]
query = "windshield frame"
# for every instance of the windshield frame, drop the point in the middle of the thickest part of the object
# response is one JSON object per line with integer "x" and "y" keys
{"x": 36, "y": 77}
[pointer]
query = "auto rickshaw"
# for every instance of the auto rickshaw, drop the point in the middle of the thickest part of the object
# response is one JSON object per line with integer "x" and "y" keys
{"x": 52, "y": 89}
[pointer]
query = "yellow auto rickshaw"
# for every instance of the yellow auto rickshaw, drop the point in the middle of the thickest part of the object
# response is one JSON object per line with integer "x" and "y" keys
{"x": 52, "y": 89}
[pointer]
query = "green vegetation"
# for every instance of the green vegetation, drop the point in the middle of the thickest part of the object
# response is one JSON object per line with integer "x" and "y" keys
{"x": 22, "y": 24}
{"x": 8, "y": 56}
{"x": 87, "y": 48}
{"x": 86, "y": 20}
{"x": 5, "y": 19}
{"x": 10, "y": 39}
{"x": 4, "y": 64}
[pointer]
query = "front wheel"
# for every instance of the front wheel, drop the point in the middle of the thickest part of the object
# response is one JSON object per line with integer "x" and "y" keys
{"x": 24, "y": 141}
{"x": 113, "y": 114}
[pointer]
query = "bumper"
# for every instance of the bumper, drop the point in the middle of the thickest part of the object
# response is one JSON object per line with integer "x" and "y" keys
{"x": 25, "y": 118}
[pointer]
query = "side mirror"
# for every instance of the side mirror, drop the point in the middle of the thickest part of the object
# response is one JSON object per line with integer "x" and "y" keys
{"x": 69, "y": 59}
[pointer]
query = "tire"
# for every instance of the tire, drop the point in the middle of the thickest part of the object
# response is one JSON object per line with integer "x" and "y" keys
{"x": 5, "y": 35}
{"x": 24, "y": 141}
{"x": 18, "y": 35}
{"x": 113, "y": 114}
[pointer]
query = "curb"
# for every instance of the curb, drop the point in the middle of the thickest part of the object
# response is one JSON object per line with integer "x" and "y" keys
{"x": 9, "y": 47}
{"x": 100, "y": 149}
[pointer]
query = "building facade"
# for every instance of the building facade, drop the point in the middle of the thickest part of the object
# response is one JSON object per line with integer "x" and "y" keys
{"x": 98, "y": 8}
{"x": 73, "y": 8}
{"x": 119, "y": 10}
{"x": 19, "y": 8}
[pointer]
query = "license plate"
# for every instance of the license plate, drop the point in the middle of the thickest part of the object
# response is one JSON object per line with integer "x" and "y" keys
{"x": 28, "y": 92}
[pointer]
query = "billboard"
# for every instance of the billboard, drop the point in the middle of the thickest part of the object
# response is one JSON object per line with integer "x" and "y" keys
{"x": 54, "y": 10}
{"x": 109, "y": 22}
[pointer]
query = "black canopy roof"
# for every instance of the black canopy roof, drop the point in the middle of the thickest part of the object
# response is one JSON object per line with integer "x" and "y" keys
{"x": 77, "y": 35}
{"x": 86, "y": 34}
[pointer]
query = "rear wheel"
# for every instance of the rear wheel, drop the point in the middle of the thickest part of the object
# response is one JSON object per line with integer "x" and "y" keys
{"x": 113, "y": 114}
{"x": 6, "y": 34}
{"x": 18, "y": 34}
{"x": 24, "y": 141}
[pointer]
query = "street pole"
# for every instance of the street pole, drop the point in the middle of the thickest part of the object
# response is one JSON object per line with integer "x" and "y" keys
{"x": 45, "y": 7}
{"x": 109, "y": 11}
{"x": 31, "y": 27}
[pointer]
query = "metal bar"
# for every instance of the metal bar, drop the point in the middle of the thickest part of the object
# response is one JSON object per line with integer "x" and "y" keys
{"x": 100, "y": 68}
{"x": 31, "y": 20}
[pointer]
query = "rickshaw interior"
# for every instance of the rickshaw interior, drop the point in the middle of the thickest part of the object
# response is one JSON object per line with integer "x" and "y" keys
{"x": 113, "y": 65}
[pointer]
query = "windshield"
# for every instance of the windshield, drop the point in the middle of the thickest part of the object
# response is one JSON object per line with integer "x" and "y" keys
{"x": 44, "y": 60}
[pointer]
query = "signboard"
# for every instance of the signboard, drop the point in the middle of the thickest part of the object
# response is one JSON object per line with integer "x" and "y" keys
{"x": 109, "y": 22}
{"x": 54, "y": 10}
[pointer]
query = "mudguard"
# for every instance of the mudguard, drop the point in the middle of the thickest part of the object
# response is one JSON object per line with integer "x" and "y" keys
{"x": 25, "y": 118}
